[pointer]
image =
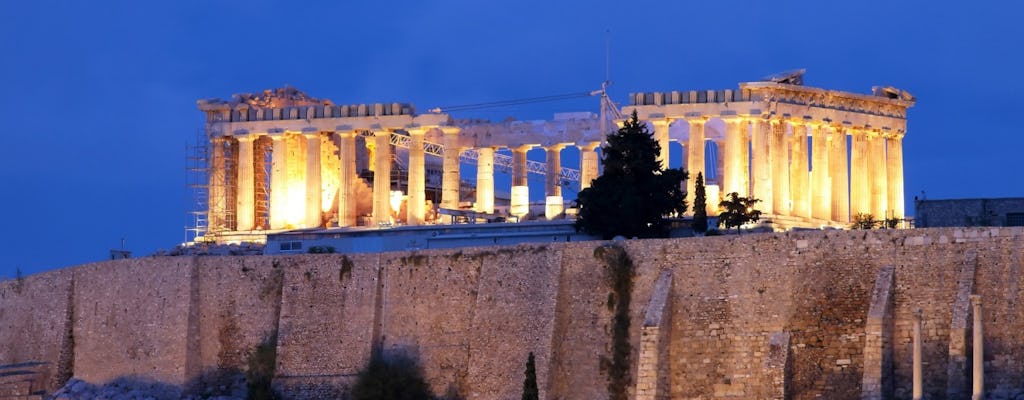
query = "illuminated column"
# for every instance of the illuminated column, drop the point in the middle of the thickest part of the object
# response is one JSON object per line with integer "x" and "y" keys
{"x": 346, "y": 179}
{"x": 218, "y": 179}
{"x": 879, "y": 186}
{"x": 278, "y": 182}
{"x": 450, "y": 173}
{"x": 314, "y": 191}
{"x": 978, "y": 392}
{"x": 719, "y": 164}
{"x": 779, "y": 156}
{"x": 838, "y": 175}
{"x": 860, "y": 192}
{"x": 382, "y": 177}
{"x": 798, "y": 173}
{"x": 246, "y": 198}
{"x": 762, "y": 174}
{"x": 746, "y": 179}
{"x": 485, "y": 180}
{"x": 553, "y": 181}
{"x": 661, "y": 136}
{"x": 520, "y": 202}
{"x": 416, "y": 207}
{"x": 588, "y": 163}
{"x": 733, "y": 154}
{"x": 695, "y": 163}
{"x": 918, "y": 387}
{"x": 821, "y": 198}
{"x": 894, "y": 167}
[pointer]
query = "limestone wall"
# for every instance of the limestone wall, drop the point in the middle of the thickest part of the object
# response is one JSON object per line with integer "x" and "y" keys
{"x": 757, "y": 316}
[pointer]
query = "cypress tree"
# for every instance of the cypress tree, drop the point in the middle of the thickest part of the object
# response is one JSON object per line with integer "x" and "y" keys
{"x": 530, "y": 391}
{"x": 700, "y": 212}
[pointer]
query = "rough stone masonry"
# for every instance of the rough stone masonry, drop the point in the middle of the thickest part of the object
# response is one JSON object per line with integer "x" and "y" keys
{"x": 796, "y": 315}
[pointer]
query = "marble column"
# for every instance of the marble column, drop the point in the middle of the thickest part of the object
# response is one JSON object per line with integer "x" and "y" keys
{"x": 346, "y": 179}
{"x": 485, "y": 180}
{"x": 894, "y": 167}
{"x": 821, "y": 189}
{"x": 839, "y": 176}
{"x": 415, "y": 209}
{"x": 798, "y": 173}
{"x": 860, "y": 191}
{"x": 450, "y": 172}
{"x": 762, "y": 173}
{"x": 662, "y": 137}
{"x": 733, "y": 154}
{"x": 978, "y": 382}
{"x": 314, "y": 190}
{"x": 246, "y": 198}
{"x": 218, "y": 180}
{"x": 877, "y": 168}
{"x": 520, "y": 202}
{"x": 917, "y": 371}
{"x": 588, "y": 163}
{"x": 779, "y": 156}
{"x": 695, "y": 161}
{"x": 278, "y": 182}
{"x": 382, "y": 177}
{"x": 553, "y": 181}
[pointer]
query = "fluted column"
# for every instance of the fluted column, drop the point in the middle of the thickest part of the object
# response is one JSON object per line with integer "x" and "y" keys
{"x": 732, "y": 154}
{"x": 346, "y": 179}
{"x": 661, "y": 136}
{"x": 382, "y": 177}
{"x": 520, "y": 202}
{"x": 695, "y": 161}
{"x": 798, "y": 173}
{"x": 588, "y": 163}
{"x": 415, "y": 209}
{"x": 485, "y": 180}
{"x": 245, "y": 216}
{"x": 821, "y": 189}
{"x": 779, "y": 156}
{"x": 450, "y": 172}
{"x": 278, "y": 182}
{"x": 894, "y": 167}
{"x": 761, "y": 143}
{"x": 838, "y": 175}
{"x": 860, "y": 191}
{"x": 553, "y": 181}
{"x": 877, "y": 168}
{"x": 314, "y": 190}
{"x": 978, "y": 364}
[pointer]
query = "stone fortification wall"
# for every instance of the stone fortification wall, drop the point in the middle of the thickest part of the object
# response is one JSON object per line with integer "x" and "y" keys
{"x": 34, "y": 325}
{"x": 757, "y": 316}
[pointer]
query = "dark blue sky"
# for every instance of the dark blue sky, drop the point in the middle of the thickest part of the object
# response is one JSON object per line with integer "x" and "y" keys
{"x": 100, "y": 97}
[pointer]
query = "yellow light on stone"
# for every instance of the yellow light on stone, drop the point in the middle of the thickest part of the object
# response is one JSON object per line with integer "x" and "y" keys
{"x": 519, "y": 204}
{"x": 553, "y": 207}
{"x": 396, "y": 200}
{"x": 713, "y": 194}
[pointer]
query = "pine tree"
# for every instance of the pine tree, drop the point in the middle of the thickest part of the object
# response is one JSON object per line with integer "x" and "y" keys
{"x": 530, "y": 391}
{"x": 700, "y": 212}
{"x": 633, "y": 194}
{"x": 737, "y": 211}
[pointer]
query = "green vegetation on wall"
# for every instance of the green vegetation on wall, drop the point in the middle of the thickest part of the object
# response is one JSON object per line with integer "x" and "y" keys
{"x": 620, "y": 275}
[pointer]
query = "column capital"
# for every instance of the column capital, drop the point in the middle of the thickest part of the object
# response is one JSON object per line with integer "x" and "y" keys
{"x": 588, "y": 146}
{"x": 697, "y": 119}
{"x": 661, "y": 121}
{"x": 246, "y": 138}
{"x": 523, "y": 148}
{"x": 381, "y": 132}
{"x": 450, "y": 130}
{"x": 976, "y": 301}
{"x": 311, "y": 135}
{"x": 918, "y": 313}
{"x": 417, "y": 131}
{"x": 346, "y": 134}
{"x": 555, "y": 147}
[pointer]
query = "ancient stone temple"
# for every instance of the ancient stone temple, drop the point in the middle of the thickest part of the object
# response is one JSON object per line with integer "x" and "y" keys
{"x": 282, "y": 160}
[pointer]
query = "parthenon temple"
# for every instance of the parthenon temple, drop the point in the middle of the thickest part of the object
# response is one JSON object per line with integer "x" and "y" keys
{"x": 282, "y": 160}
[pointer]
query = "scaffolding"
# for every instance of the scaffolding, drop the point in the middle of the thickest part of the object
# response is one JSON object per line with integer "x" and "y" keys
{"x": 197, "y": 180}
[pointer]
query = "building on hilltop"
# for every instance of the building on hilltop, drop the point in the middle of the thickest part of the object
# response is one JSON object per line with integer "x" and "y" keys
{"x": 968, "y": 212}
{"x": 282, "y": 160}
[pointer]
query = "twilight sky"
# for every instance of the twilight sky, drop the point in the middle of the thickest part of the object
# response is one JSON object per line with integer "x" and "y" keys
{"x": 100, "y": 96}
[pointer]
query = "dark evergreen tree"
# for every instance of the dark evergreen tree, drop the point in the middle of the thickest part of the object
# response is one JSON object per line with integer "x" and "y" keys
{"x": 700, "y": 200}
{"x": 395, "y": 377}
{"x": 633, "y": 195}
{"x": 737, "y": 211}
{"x": 530, "y": 391}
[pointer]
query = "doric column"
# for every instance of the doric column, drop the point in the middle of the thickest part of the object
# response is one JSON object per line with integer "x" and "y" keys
{"x": 821, "y": 189}
{"x": 695, "y": 162}
{"x": 450, "y": 172}
{"x": 719, "y": 165}
{"x": 733, "y": 153}
{"x": 314, "y": 190}
{"x": 918, "y": 387}
{"x": 838, "y": 175}
{"x": 278, "y": 182}
{"x": 894, "y": 167}
{"x": 879, "y": 186}
{"x": 661, "y": 136}
{"x": 860, "y": 191}
{"x": 520, "y": 202}
{"x": 218, "y": 179}
{"x": 246, "y": 198}
{"x": 588, "y": 163}
{"x": 779, "y": 155}
{"x": 382, "y": 177}
{"x": 485, "y": 180}
{"x": 553, "y": 181}
{"x": 978, "y": 392}
{"x": 798, "y": 173}
{"x": 760, "y": 143}
{"x": 346, "y": 179}
{"x": 415, "y": 209}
